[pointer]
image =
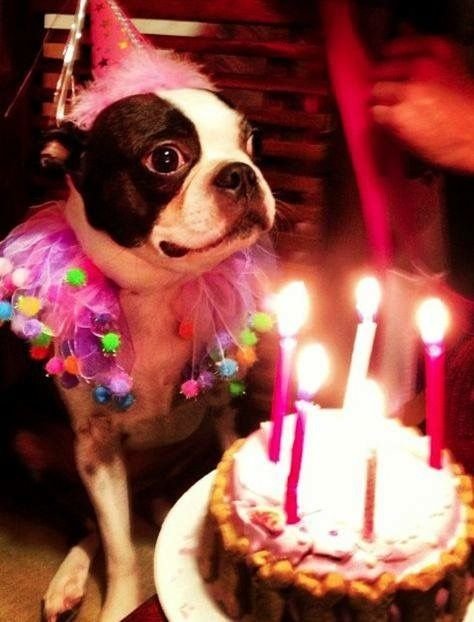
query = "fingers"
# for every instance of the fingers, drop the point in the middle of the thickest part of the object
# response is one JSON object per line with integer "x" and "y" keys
{"x": 388, "y": 93}
{"x": 384, "y": 115}
{"x": 422, "y": 45}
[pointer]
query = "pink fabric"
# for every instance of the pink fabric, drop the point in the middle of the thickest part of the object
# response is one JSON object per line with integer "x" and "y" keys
{"x": 349, "y": 68}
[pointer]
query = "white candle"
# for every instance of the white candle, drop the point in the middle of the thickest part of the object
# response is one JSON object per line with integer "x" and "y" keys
{"x": 368, "y": 300}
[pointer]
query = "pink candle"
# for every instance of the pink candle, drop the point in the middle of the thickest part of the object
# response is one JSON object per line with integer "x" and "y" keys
{"x": 432, "y": 318}
{"x": 313, "y": 367}
{"x": 280, "y": 394}
{"x": 434, "y": 369}
{"x": 291, "y": 498}
{"x": 369, "y": 501}
{"x": 291, "y": 308}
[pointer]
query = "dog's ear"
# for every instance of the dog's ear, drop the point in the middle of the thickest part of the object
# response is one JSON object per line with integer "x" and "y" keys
{"x": 61, "y": 150}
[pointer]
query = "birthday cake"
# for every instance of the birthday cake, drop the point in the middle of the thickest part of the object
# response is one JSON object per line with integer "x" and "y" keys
{"x": 413, "y": 565}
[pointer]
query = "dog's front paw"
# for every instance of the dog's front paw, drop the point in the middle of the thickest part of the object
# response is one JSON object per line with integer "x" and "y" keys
{"x": 67, "y": 588}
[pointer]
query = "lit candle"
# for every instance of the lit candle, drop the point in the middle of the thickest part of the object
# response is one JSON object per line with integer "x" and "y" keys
{"x": 433, "y": 318}
{"x": 313, "y": 368}
{"x": 367, "y": 303}
{"x": 291, "y": 307}
{"x": 372, "y": 407}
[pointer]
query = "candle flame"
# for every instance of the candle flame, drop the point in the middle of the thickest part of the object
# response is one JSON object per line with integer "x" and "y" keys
{"x": 312, "y": 369}
{"x": 291, "y": 306}
{"x": 432, "y": 318}
{"x": 368, "y": 295}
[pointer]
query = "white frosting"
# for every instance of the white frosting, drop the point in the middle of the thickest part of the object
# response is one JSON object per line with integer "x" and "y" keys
{"x": 417, "y": 512}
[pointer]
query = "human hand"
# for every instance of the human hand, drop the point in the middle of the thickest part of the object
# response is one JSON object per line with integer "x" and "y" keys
{"x": 424, "y": 95}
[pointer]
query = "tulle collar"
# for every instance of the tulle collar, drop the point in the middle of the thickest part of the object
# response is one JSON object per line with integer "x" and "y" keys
{"x": 68, "y": 311}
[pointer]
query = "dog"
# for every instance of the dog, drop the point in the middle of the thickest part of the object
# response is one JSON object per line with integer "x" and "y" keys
{"x": 167, "y": 190}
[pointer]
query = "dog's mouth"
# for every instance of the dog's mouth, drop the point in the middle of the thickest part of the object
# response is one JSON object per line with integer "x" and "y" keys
{"x": 242, "y": 228}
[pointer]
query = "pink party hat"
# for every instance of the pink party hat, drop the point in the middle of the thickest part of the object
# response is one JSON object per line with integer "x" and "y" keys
{"x": 113, "y": 35}
{"x": 125, "y": 64}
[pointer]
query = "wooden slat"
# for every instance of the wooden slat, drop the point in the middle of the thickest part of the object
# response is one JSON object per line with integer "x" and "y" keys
{"x": 308, "y": 186}
{"x": 223, "y": 46}
{"x": 243, "y": 11}
{"x": 298, "y": 150}
{"x": 266, "y": 84}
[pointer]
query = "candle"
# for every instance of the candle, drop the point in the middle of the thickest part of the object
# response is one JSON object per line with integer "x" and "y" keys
{"x": 369, "y": 501}
{"x": 367, "y": 303}
{"x": 313, "y": 368}
{"x": 372, "y": 407}
{"x": 291, "y": 308}
{"x": 432, "y": 318}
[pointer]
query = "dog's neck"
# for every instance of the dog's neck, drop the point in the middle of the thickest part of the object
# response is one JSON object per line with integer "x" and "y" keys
{"x": 133, "y": 269}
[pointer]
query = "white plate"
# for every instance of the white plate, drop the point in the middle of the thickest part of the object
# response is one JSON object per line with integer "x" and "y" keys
{"x": 181, "y": 591}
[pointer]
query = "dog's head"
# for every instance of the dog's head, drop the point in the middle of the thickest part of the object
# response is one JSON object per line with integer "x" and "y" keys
{"x": 173, "y": 171}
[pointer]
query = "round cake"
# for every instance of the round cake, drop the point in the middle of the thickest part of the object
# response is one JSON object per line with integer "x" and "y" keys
{"x": 414, "y": 567}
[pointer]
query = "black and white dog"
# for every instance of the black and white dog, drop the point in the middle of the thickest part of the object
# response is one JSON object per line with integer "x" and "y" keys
{"x": 168, "y": 190}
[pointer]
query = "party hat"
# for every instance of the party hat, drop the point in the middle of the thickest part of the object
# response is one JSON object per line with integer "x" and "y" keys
{"x": 113, "y": 35}
{"x": 125, "y": 64}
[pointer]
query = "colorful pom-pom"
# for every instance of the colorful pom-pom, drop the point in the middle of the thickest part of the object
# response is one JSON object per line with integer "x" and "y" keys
{"x": 120, "y": 384}
{"x": 246, "y": 356}
{"x": 190, "y": 388}
{"x": 43, "y": 339}
{"x": 38, "y": 353}
{"x": 76, "y": 277}
{"x": 6, "y": 311}
{"x": 32, "y": 329}
{"x": 248, "y": 337}
{"x": 28, "y": 305}
{"x": 261, "y": 322}
{"x": 186, "y": 330}
{"x": 69, "y": 381}
{"x": 20, "y": 276}
{"x": 101, "y": 395}
{"x": 124, "y": 402}
{"x": 5, "y": 266}
{"x": 224, "y": 339}
{"x": 206, "y": 379}
{"x": 227, "y": 367}
{"x": 110, "y": 342}
{"x": 7, "y": 284}
{"x": 71, "y": 365}
{"x": 236, "y": 388}
{"x": 54, "y": 366}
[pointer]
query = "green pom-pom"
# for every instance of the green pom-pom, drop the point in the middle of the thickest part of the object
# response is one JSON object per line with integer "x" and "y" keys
{"x": 110, "y": 342}
{"x": 248, "y": 337}
{"x": 76, "y": 277}
{"x": 236, "y": 388}
{"x": 43, "y": 339}
{"x": 262, "y": 322}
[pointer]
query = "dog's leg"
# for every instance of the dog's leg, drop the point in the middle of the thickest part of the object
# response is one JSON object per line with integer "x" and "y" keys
{"x": 66, "y": 590}
{"x": 101, "y": 466}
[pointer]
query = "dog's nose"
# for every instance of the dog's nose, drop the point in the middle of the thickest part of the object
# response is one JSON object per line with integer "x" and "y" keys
{"x": 237, "y": 178}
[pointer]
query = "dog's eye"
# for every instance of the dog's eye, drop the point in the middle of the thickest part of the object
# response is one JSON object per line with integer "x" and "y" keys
{"x": 254, "y": 144}
{"x": 164, "y": 159}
